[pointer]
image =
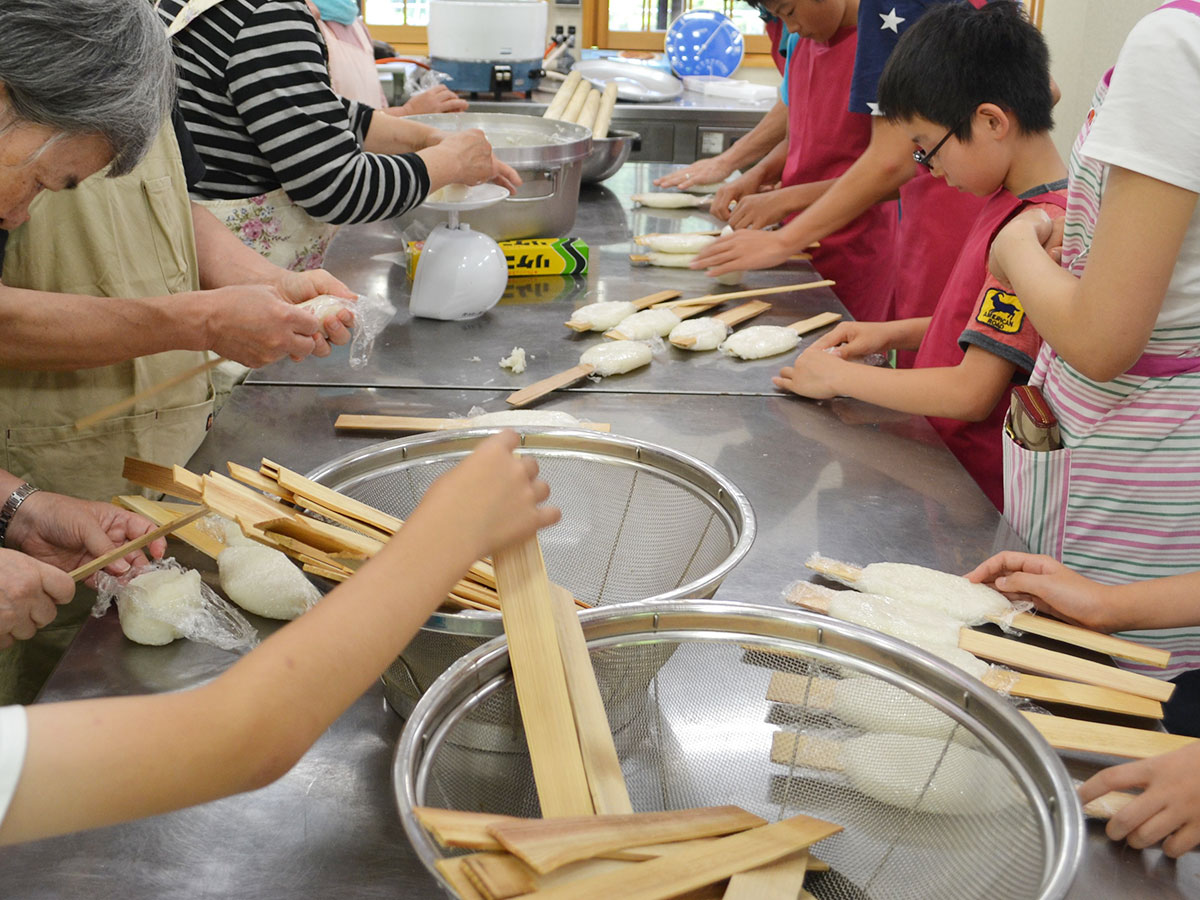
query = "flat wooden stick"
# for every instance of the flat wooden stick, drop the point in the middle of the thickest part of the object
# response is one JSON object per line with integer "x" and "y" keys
{"x": 1058, "y": 630}
{"x": 545, "y": 845}
{"x": 453, "y": 869}
{"x": 128, "y": 547}
{"x": 161, "y": 513}
{"x": 600, "y": 761}
{"x": 782, "y": 880}
{"x": 1061, "y": 665}
{"x": 331, "y": 499}
{"x": 166, "y": 384}
{"x": 757, "y": 292}
{"x": 730, "y": 317}
{"x": 499, "y": 876}
{"x": 157, "y": 478}
{"x": 1110, "y": 740}
{"x": 820, "y": 320}
{"x": 1087, "y": 696}
{"x": 695, "y": 867}
{"x": 638, "y": 305}
{"x": 346, "y": 422}
{"x": 540, "y": 389}
{"x": 1108, "y": 805}
{"x": 683, "y": 312}
{"x": 1040, "y": 625}
{"x": 1090, "y": 694}
{"x": 540, "y": 681}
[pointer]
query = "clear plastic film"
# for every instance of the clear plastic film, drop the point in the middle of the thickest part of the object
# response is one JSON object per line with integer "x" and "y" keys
{"x": 372, "y": 312}
{"x": 164, "y": 601}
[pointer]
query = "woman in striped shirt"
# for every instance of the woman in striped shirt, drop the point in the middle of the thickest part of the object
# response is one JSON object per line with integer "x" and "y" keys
{"x": 288, "y": 160}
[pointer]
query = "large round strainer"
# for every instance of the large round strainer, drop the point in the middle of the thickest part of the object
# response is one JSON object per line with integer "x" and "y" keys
{"x": 640, "y": 521}
{"x": 970, "y": 803}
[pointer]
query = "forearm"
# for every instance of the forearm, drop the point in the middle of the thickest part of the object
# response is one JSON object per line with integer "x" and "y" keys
{"x": 943, "y": 392}
{"x": 62, "y": 332}
{"x": 224, "y": 260}
{"x": 173, "y": 750}
{"x": 873, "y": 178}
{"x": 1171, "y": 602}
{"x": 761, "y": 140}
{"x": 396, "y": 134}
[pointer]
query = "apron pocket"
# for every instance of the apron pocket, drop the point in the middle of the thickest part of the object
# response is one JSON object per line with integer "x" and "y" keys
{"x": 1036, "y": 487}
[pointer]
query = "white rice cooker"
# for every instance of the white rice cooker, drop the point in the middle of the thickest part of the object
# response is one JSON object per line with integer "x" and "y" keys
{"x": 488, "y": 46}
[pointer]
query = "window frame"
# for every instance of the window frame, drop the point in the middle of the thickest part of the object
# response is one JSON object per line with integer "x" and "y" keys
{"x": 596, "y": 33}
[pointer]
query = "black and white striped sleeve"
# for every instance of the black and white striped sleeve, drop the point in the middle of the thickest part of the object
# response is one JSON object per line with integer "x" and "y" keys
{"x": 279, "y": 83}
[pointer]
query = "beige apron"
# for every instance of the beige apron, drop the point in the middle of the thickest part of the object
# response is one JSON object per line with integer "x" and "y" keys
{"x": 123, "y": 237}
{"x": 271, "y": 224}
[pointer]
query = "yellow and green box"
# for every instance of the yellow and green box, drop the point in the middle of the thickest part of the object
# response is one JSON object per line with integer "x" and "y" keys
{"x": 535, "y": 256}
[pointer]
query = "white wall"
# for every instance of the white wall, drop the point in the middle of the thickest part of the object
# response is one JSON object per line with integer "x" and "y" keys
{"x": 1084, "y": 38}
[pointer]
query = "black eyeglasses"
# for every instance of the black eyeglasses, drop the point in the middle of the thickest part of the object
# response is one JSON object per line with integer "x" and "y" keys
{"x": 925, "y": 159}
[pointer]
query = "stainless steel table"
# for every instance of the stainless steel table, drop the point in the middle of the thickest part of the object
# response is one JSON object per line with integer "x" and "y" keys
{"x": 842, "y": 477}
{"x": 432, "y": 353}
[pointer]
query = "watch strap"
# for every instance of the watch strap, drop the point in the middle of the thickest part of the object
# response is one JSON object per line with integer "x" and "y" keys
{"x": 11, "y": 505}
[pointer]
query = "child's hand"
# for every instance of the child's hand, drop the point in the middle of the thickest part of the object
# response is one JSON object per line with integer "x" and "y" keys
{"x": 1030, "y": 225}
{"x": 492, "y": 497}
{"x": 761, "y": 210}
{"x": 1167, "y": 810}
{"x": 1052, "y": 588}
{"x": 743, "y": 250}
{"x": 728, "y": 196}
{"x": 855, "y": 340}
{"x": 811, "y": 375}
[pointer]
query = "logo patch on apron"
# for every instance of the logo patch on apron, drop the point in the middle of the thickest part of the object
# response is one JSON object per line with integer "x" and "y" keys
{"x": 1001, "y": 311}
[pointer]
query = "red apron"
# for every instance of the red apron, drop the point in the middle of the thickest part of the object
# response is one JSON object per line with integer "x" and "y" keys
{"x": 933, "y": 219}
{"x": 977, "y": 445}
{"x": 824, "y": 140}
{"x": 774, "y": 29}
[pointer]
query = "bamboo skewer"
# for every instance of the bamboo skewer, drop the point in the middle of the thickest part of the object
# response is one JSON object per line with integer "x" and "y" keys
{"x": 166, "y": 384}
{"x": 730, "y": 317}
{"x": 541, "y": 683}
{"x": 128, "y": 547}
{"x": 600, "y": 762}
{"x": 1109, "y": 740}
{"x": 1044, "y": 626}
{"x": 346, "y": 422}
{"x": 755, "y": 292}
{"x": 639, "y": 304}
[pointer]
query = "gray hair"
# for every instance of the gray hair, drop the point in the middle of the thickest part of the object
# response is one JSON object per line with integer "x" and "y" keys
{"x": 81, "y": 67}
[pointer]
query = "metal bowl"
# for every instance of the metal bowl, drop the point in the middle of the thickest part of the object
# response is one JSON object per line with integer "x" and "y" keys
{"x": 639, "y": 521}
{"x": 609, "y": 154}
{"x": 547, "y": 154}
{"x": 700, "y": 731}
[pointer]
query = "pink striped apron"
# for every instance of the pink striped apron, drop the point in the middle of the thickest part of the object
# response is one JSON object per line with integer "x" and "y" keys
{"x": 1116, "y": 503}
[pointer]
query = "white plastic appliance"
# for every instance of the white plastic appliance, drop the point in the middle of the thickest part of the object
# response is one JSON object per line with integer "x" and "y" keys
{"x": 488, "y": 46}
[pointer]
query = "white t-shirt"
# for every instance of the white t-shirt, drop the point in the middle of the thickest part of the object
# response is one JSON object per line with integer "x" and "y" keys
{"x": 1149, "y": 123}
{"x": 13, "y": 738}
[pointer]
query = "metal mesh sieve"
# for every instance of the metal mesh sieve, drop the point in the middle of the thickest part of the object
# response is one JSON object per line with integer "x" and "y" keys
{"x": 985, "y": 810}
{"x": 639, "y": 521}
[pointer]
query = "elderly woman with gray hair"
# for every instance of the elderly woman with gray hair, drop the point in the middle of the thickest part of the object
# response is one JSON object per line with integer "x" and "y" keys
{"x": 110, "y": 284}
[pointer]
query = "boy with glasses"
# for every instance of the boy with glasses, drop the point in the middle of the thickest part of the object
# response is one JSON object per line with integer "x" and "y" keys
{"x": 972, "y": 86}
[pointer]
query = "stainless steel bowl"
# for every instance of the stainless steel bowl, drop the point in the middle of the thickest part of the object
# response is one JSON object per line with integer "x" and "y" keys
{"x": 639, "y": 521}
{"x": 547, "y": 154}
{"x": 609, "y": 154}
{"x": 685, "y": 686}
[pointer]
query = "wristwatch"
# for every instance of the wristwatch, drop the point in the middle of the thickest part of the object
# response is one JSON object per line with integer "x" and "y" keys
{"x": 12, "y": 504}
